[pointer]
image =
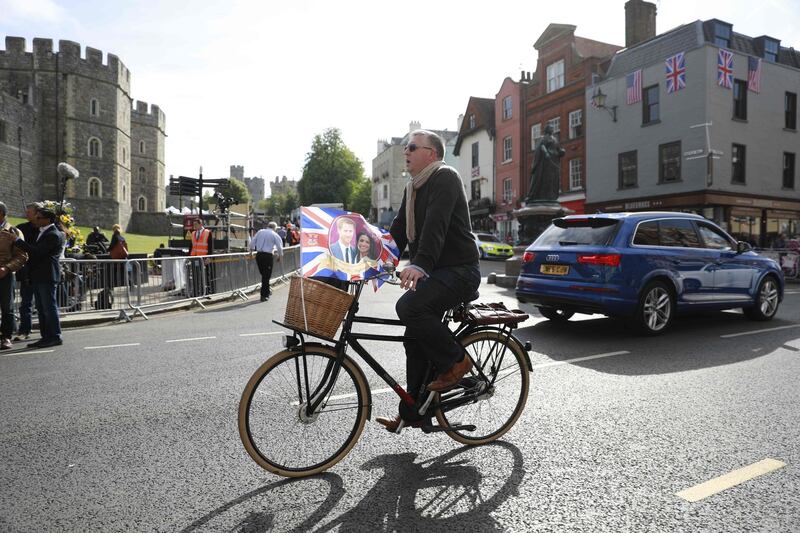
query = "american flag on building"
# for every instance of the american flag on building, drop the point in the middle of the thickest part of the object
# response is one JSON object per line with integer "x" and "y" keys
{"x": 633, "y": 85}
{"x": 754, "y": 74}
{"x": 676, "y": 73}
{"x": 317, "y": 229}
{"x": 725, "y": 68}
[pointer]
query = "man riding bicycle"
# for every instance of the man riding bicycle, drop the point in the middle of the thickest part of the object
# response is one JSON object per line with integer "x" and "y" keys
{"x": 433, "y": 221}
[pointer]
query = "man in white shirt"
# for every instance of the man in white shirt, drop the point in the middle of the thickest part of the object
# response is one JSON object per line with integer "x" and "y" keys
{"x": 266, "y": 243}
{"x": 343, "y": 249}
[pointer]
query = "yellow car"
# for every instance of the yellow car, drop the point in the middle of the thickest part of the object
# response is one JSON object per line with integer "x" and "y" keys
{"x": 489, "y": 246}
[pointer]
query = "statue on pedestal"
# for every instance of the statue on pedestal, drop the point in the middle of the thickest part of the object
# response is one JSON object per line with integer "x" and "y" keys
{"x": 546, "y": 169}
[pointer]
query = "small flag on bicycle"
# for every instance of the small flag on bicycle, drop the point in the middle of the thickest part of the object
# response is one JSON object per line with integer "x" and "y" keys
{"x": 340, "y": 244}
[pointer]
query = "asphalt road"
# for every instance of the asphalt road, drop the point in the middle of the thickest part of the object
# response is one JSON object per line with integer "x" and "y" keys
{"x": 132, "y": 427}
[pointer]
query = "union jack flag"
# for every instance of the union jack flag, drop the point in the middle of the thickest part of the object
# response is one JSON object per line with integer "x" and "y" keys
{"x": 633, "y": 84}
{"x": 318, "y": 231}
{"x": 676, "y": 73}
{"x": 725, "y": 69}
{"x": 754, "y": 74}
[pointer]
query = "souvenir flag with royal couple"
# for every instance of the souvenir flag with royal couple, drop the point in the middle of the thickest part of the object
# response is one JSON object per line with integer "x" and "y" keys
{"x": 339, "y": 244}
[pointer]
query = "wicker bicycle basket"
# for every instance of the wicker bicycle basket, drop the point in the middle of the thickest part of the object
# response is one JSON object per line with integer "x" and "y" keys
{"x": 316, "y": 307}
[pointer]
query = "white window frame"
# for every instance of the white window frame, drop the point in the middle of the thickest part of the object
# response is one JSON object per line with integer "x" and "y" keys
{"x": 507, "y": 191}
{"x": 556, "y": 123}
{"x": 555, "y": 76}
{"x": 95, "y": 181}
{"x": 536, "y": 134}
{"x": 575, "y": 174}
{"x": 471, "y": 121}
{"x": 507, "y": 108}
{"x": 99, "y": 154}
{"x": 575, "y": 120}
{"x": 507, "y": 149}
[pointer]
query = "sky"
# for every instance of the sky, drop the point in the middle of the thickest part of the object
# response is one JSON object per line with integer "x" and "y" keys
{"x": 252, "y": 82}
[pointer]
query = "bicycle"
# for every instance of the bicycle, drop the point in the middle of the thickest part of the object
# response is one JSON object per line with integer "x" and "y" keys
{"x": 315, "y": 394}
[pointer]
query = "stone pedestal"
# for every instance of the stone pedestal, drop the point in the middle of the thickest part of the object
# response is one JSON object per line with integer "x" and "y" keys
{"x": 534, "y": 218}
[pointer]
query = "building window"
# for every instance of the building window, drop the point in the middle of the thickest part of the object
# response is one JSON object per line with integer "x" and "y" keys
{"x": 722, "y": 34}
{"x": 124, "y": 155}
{"x": 95, "y": 148}
{"x": 507, "y": 191}
{"x": 385, "y": 191}
{"x": 507, "y": 107}
{"x": 790, "y": 110}
{"x": 627, "y": 170}
{"x": 142, "y": 203}
{"x": 475, "y": 162}
{"x": 124, "y": 193}
{"x": 650, "y": 112}
{"x": 506, "y": 149}
{"x": 555, "y": 75}
{"x": 556, "y": 124}
{"x": 471, "y": 121}
{"x": 771, "y": 50}
{"x": 669, "y": 162}
{"x": 95, "y": 188}
{"x": 536, "y": 134}
{"x": 575, "y": 174}
{"x": 476, "y": 189}
{"x": 740, "y": 99}
{"x": 141, "y": 147}
{"x": 575, "y": 123}
{"x": 142, "y": 175}
{"x": 738, "y": 163}
{"x": 788, "y": 170}
{"x": 2, "y": 131}
{"x": 94, "y": 107}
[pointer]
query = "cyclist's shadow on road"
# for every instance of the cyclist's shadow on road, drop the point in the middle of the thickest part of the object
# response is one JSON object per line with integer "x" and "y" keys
{"x": 446, "y": 493}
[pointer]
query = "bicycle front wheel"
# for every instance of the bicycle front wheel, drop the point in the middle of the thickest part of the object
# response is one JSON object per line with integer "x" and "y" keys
{"x": 275, "y": 426}
{"x": 493, "y": 407}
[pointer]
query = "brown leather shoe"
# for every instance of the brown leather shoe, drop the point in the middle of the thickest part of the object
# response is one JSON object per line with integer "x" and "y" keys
{"x": 450, "y": 379}
{"x": 391, "y": 424}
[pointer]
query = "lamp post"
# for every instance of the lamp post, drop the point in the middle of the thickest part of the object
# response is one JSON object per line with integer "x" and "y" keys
{"x": 599, "y": 101}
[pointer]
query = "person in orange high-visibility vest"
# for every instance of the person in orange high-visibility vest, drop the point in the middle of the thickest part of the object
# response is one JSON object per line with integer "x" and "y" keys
{"x": 202, "y": 243}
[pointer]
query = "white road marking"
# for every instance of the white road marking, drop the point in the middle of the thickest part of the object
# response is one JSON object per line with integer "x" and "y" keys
{"x": 731, "y": 479}
{"x": 111, "y": 346}
{"x": 731, "y": 335}
{"x": 192, "y": 339}
{"x": 577, "y": 359}
{"x": 264, "y": 333}
{"x": 791, "y": 292}
{"x": 27, "y": 353}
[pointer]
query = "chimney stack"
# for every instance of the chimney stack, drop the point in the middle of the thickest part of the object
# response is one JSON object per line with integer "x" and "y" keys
{"x": 640, "y": 22}
{"x": 413, "y": 126}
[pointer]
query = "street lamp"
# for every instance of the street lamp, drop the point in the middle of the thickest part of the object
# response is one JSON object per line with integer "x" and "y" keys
{"x": 599, "y": 101}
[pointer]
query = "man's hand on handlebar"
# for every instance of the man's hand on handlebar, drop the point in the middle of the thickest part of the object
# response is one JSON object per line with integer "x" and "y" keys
{"x": 409, "y": 277}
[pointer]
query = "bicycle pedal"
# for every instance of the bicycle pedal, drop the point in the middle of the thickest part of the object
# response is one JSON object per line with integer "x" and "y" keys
{"x": 454, "y": 427}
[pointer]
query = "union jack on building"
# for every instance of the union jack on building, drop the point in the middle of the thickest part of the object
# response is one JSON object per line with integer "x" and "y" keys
{"x": 725, "y": 69}
{"x": 315, "y": 255}
{"x": 633, "y": 84}
{"x": 676, "y": 73}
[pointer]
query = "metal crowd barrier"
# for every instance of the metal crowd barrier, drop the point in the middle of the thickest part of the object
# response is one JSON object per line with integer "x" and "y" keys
{"x": 788, "y": 259}
{"x": 132, "y": 286}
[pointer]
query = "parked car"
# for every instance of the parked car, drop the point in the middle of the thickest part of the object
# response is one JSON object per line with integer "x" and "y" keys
{"x": 490, "y": 246}
{"x": 646, "y": 267}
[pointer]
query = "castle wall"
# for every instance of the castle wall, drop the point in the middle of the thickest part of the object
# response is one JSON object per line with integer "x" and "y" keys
{"x": 14, "y": 115}
{"x": 147, "y": 145}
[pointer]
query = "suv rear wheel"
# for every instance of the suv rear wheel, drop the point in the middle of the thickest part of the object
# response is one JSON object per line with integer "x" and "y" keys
{"x": 766, "y": 304}
{"x": 557, "y": 315}
{"x": 656, "y": 308}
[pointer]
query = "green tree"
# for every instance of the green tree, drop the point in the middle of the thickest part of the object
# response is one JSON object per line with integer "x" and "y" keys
{"x": 360, "y": 198}
{"x": 330, "y": 168}
{"x": 289, "y": 202}
{"x": 235, "y": 189}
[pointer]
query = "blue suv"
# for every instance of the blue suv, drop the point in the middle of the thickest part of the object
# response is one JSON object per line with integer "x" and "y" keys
{"x": 646, "y": 267}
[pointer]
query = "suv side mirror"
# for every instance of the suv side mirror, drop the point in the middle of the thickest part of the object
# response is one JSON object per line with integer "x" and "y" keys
{"x": 742, "y": 247}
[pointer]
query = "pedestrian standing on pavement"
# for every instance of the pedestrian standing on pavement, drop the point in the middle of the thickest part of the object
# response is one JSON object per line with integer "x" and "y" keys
{"x": 29, "y": 231}
{"x": 45, "y": 273}
{"x": 11, "y": 260}
{"x": 267, "y": 245}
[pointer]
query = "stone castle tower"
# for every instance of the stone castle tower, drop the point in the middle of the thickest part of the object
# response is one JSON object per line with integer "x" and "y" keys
{"x": 59, "y": 106}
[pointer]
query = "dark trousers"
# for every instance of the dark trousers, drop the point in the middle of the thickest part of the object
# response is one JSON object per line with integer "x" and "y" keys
{"x": 25, "y": 306}
{"x": 264, "y": 262}
{"x": 6, "y": 305}
{"x": 47, "y": 309}
{"x": 421, "y": 311}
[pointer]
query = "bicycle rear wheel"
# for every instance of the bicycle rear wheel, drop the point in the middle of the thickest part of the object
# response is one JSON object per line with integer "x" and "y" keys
{"x": 496, "y": 409}
{"x": 274, "y": 425}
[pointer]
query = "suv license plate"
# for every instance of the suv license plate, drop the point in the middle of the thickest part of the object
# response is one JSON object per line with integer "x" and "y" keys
{"x": 557, "y": 270}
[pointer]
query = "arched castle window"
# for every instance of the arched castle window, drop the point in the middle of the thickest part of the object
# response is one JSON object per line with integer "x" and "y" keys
{"x": 95, "y": 188}
{"x": 94, "y": 107}
{"x": 142, "y": 203}
{"x": 142, "y": 175}
{"x": 141, "y": 147}
{"x": 95, "y": 148}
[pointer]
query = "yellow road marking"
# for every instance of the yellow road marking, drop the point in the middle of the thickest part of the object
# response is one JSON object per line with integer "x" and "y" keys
{"x": 731, "y": 479}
